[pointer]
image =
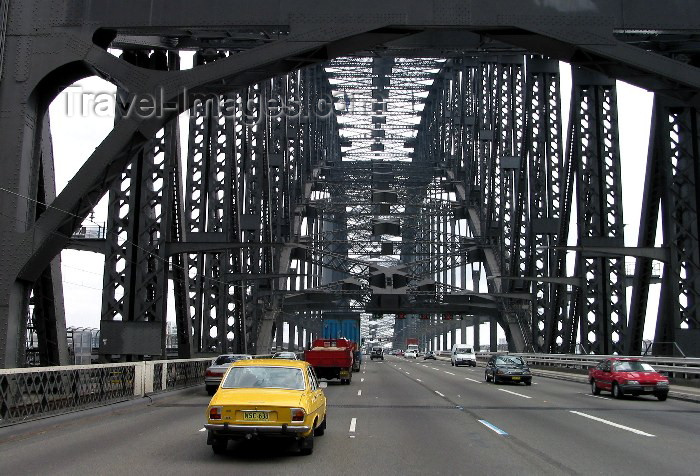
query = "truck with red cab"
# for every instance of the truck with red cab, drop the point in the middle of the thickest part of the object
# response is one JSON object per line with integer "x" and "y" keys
{"x": 627, "y": 376}
{"x": 332, "y": 358}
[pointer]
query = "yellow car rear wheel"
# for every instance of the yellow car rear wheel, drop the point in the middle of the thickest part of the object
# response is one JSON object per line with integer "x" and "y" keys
{"x": 219, "y": 446}
{"x": 306, "y": 445}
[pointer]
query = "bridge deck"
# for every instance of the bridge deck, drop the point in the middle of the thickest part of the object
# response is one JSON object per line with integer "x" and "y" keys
{"x": 412, "y": 417}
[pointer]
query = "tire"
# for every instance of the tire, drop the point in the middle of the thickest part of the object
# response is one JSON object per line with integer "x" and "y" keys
{"x": 616, "y": 391}
{"x": 486, "y": 376}
{"x": 452, "y": 362}
{"x": 219, "y": 446}
{"x": 211, "y": 390}
{"x": 528, "y": 382}
{"x": 321, "y": 429}
{"x": 306, "y": 445}
{"x": 495, "y": 379}
{"x": 662, "y": 396}
{"x": 594, "y": 388}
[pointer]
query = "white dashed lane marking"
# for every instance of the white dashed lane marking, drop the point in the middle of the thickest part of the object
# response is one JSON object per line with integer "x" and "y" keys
{"x": 616, "y": 425}
{"x": 439, "y": 393}
{"x": 594, "y": 396}
{"x": 514, "y": 393}
{"x": 353, "y": 424}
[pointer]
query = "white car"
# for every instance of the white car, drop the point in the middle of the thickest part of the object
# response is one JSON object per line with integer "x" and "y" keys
{"x": 411, "y": 354}
{"x": 462, "y": 355}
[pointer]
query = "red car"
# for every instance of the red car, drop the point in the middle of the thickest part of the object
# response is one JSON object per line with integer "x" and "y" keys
{"x": 625, "y": 376}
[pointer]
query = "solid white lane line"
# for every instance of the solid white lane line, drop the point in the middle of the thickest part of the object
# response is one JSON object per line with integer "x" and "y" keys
{"x": 449, "y": 373}
{"x": 359, "y": 393}
{"x": 419, "y": 380}
{"x": 471, "y": 380}
{"x": 353, "y": 423}
{"x": 362, "y": 379}
{"x": 514, "y": 393}
{"x": 616, "y": 425}
{"x": 439, "y": 393}
{"x": 492, "y": 427}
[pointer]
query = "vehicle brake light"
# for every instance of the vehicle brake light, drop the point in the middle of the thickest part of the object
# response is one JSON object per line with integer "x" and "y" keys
{"x": 215, "y": 413}
{"x": 298, "y": 414}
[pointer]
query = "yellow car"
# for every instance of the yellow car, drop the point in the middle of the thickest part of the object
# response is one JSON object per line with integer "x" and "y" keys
{"x": 266, "y": 397}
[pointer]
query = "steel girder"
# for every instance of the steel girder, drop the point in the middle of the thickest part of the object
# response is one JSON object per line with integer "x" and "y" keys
{"x": 601, "y": 310}
{"x": 136, "y": 274}
{"x": 46, "y": 319}
{"x": 540, "y": 198}
{"x": 670, "y": 192}
{"x": 248, "y": 173}
{"x": 472, "y": 127}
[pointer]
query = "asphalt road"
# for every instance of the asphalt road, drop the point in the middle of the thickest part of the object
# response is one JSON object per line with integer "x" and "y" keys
{"x": 397, "y": 417}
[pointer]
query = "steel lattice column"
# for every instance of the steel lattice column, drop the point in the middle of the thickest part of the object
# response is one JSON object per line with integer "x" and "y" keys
{"x": 135, "y": 279}
{"x": 673, "y": 178}
{"x": 543, "y": 205}
{"x": 602, "y": 311}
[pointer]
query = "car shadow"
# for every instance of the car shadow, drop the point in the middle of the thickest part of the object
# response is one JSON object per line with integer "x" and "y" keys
{"x": 261, "y": 449}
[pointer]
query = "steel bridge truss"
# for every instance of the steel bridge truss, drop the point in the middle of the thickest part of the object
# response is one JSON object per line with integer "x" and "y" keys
{"x": 379, "y": 165}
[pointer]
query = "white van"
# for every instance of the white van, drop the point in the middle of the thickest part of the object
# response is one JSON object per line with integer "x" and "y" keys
{"x": 463, "y": 355}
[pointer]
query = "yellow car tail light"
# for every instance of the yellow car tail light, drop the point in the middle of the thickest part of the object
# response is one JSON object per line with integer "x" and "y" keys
{"x": 215, "y": 413}
{"x": 298, "y": 414}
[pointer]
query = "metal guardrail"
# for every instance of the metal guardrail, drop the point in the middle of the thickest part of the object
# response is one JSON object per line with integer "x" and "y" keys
{"x": 30, "y": 393}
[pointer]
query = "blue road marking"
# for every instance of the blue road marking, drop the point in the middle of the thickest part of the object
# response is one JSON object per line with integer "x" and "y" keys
{"x": 493, "y": 427}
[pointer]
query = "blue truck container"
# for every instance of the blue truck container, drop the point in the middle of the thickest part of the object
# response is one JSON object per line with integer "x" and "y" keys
{"x": 347, "y": 327}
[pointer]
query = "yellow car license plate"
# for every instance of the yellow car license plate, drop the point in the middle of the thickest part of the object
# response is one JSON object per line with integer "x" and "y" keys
{"x": 256, "y": 416}
{"x": 516, "y": 378}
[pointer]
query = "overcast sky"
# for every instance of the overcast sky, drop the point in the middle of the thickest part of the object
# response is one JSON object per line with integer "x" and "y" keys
{"x": 76, "y": 135}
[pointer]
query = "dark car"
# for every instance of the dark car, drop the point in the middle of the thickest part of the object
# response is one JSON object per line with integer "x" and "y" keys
{"x": 625, "y": 376}
{"x": 429, "y": 355}
{"x": 507, "y": 368}
{"x": 377, "y": 353}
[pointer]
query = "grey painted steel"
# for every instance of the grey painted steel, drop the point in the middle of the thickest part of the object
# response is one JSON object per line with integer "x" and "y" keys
{"x": 594, "y": 147}
{"x": 474, "y": 135}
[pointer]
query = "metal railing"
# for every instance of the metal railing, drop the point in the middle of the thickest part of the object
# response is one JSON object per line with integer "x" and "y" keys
{"x": 30, "y": 393}
{"x": 94, "y": 232}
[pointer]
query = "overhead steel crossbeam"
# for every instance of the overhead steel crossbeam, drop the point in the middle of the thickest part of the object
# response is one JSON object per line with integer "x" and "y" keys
{"x": 365, "y": 88}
